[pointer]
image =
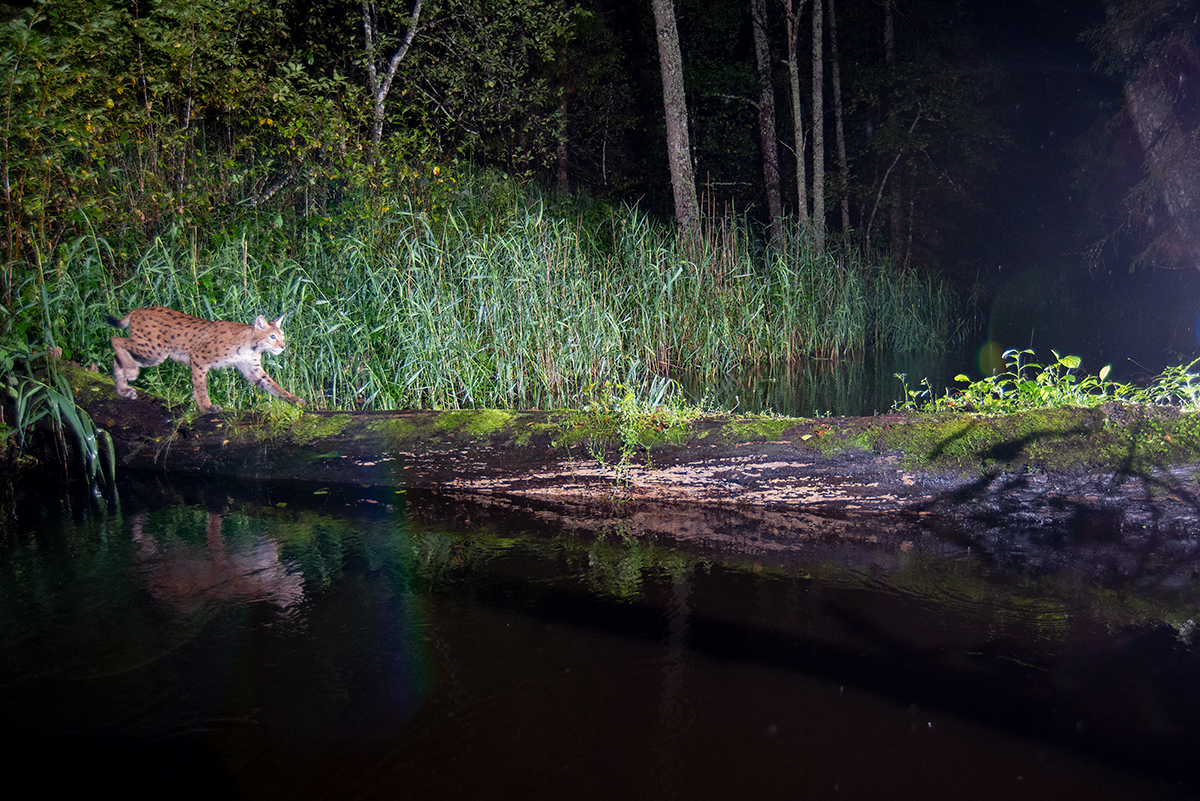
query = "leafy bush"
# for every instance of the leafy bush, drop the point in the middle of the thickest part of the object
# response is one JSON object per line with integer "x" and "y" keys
{"x": 33, "y": 398}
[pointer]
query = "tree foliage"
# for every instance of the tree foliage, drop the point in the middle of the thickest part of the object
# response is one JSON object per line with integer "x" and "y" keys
{"x": 129, "y": 119}
{"x": 125, "y": 118}
{"x": 167, "y": 111}
{"x": 480, "y": 82}
{"x": 926, "y": 137}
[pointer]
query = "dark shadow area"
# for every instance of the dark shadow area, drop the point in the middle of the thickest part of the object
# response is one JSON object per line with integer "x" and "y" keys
{"x": 1140, "y": 496}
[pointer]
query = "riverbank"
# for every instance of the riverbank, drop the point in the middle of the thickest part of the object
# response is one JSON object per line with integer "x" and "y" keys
{"x": 1119, "y": 466}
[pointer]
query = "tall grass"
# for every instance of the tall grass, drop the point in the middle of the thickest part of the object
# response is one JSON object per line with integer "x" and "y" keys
{"x": 490, "y": 304}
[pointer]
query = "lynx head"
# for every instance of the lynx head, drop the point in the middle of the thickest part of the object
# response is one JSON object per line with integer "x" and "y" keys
{"x": 268, "y": 336}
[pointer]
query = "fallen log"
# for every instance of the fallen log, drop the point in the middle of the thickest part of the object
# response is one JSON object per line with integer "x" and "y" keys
{"x": 1114, "y": 466}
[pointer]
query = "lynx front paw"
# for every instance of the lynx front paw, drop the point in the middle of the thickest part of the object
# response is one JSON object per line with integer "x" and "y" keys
{"x": 290, "y": 398}
{"x": 128, "y": 393}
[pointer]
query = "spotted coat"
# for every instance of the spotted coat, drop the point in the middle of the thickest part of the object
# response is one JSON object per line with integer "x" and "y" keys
{"x": 157, "y": 334}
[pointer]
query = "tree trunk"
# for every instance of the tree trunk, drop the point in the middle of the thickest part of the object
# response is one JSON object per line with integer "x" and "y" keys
{"x": 818, "y": 116}
{"x": 1155, "y": 45}
{"x": 793, "y": 31}
{"x": 766, "y": 120}
{"x": 683, "y": 181}
{"x": 883, "y": 183}
{"x": 380, "y": 85}
{"x": 1172, "y": 157}
{"x": 889, "y": 33}
{"x": 840, "y": 131}
{"x": 895, "y": 207}
{"x": 562, "y": 156}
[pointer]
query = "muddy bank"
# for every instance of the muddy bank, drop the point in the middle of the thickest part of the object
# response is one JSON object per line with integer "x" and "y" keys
{"x": 1116, "y": 468}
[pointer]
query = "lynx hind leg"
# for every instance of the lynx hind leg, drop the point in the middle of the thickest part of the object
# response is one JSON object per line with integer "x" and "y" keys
{"x": 125, "y": 369}
{"x": 200, "y": 389}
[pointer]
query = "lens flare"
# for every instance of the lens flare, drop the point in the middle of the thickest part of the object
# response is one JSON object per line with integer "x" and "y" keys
{"x": 991, "y": 358}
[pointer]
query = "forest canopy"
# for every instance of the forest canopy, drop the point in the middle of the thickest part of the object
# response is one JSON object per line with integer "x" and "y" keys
{"x": 128, "y": 117}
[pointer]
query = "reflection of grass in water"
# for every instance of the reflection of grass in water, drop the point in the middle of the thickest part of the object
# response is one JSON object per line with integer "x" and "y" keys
{"x": 857, "y": 386}
{"x": 616, "y": 564}
{"x": 613, "y": 564}
{"x": 1047, "y": 602}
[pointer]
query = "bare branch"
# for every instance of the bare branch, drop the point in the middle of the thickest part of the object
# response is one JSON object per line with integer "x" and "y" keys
{"x": 379, "y": 89}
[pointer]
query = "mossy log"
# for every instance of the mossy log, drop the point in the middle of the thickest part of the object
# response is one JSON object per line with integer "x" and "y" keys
{"x": 1123, "y": 466}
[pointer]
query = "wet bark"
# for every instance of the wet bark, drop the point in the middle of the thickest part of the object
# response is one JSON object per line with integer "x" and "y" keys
{"x": 1172, "y": 150}
{"x": 1155, "y": 44}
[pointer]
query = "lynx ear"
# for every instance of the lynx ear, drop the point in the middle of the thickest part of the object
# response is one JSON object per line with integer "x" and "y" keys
{"x": 279, "y": 320}
{"x": 260, "y": 322}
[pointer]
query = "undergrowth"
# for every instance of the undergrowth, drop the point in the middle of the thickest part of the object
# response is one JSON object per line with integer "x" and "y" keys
{"x": 636, "y": 421}
{"x": 483, "y": 294}
{"x": 32, "y": 397}
{"x": 1027, "y": 384}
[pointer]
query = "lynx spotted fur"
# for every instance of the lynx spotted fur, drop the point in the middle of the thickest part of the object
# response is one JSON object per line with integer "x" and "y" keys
{"x": 157, "y": 333}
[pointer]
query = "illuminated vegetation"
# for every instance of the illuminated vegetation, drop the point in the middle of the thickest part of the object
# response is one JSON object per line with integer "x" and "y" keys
{"x": 1028, "y": 385}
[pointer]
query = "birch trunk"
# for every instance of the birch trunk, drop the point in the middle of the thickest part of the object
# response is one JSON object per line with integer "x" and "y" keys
{"x": 380, "y": 75}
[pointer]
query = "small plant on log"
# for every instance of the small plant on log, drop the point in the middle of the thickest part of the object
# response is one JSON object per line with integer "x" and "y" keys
{"x": 1026, "y": 385}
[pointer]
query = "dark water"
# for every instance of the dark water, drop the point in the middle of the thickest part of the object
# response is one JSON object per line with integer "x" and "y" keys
{"x": 861, "y": 386}
{"x": 260, "y": 642}
{"x": 852, "y": 387}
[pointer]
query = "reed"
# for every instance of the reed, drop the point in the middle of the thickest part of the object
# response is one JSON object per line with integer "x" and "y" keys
{"x": 489, "y": 298}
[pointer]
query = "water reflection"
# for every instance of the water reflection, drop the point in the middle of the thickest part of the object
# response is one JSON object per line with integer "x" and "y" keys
{"x": 851, "y": 387}
{"x": 265, "y": 641}
{"x": 185, "y": 575}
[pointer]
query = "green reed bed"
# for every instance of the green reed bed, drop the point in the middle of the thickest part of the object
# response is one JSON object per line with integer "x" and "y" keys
{"x": 516, "y": 307}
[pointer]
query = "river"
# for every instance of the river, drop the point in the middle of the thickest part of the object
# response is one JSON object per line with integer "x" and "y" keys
{"x": 212, "y": 639}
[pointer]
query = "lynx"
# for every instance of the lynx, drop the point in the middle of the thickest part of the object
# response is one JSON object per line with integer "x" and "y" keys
{"x": 156, "y": 334}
